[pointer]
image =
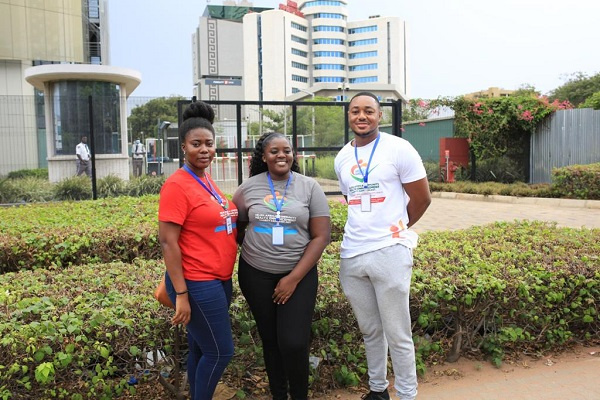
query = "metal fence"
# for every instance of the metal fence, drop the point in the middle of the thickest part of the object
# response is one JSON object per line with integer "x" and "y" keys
{"x": 565, "y": 138}
{"x": 317, "y": 130}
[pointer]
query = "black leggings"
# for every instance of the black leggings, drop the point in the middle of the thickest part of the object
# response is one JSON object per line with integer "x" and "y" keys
{"x": 283, "y": 328}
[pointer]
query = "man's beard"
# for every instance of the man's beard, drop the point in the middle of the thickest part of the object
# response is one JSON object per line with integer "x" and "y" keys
{"x": 369, "y": 133}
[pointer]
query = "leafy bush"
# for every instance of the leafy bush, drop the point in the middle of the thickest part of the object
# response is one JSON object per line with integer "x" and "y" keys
{"x": 80, "y": 332}
{"x": 500, "y": 169}
{"x": 577, "y": 181}
{"x": 433, "y": 171}
{"x": 500, "y": 289}
{"x": 75, "y": 188}
{"x": 110, "y": 186}
{"x": 26, "y": 190}
{"x": 324, "y": 167}
{"x": 41, "y": 173}
{"x": 61, "y": 234}
{"x": 145, "y": 185}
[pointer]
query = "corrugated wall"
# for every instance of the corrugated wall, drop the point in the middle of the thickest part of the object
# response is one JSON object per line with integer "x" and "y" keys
{"x": 425, "y": 135}
{"x": 565, "y": 138}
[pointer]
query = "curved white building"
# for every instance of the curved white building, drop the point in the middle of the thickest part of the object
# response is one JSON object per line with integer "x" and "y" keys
{"x": 300, "y": 49}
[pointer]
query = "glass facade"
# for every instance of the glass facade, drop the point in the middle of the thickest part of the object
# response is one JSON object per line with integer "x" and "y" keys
{"x": 362, "y": 54}
{"x": 363, "y": 29}
{"x": 71, "y": 116}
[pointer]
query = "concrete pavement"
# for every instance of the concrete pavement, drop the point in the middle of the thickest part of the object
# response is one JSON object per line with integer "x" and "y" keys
{"x": 451, "y": 211}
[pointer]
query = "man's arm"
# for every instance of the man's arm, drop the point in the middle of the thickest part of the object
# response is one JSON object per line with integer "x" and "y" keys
{"x": 420, "y": 198}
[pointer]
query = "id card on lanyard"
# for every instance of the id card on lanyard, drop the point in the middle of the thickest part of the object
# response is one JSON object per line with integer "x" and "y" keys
{"x": 277, "y": 230}
{"x": 365, "y": 197}
{"x": 211, "y": 190}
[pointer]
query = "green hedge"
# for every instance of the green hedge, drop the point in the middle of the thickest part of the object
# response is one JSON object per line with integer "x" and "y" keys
{"x": 577, "y": 181}
{"x": 74, "y": 323}
{"x": 71, "y": 233}
{"x": 79, "y": 332}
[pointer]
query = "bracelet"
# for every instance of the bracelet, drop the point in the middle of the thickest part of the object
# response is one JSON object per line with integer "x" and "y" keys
{"x": 180, "y": 293}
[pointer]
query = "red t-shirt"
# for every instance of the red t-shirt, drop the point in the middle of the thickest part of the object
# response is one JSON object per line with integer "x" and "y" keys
{"x": 207, "y": 251}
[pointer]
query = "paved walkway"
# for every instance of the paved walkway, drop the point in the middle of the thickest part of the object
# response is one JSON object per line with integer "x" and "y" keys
{"x": 458, "y": 211}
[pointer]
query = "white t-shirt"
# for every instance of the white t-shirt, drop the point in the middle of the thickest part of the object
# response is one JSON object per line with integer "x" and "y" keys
{"x": 83, "y": 150}
{"x": 395, "y": 161}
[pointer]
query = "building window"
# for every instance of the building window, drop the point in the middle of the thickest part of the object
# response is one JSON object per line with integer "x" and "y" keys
{"x": 299, "y": 66}
{"x": 329, "y": 54}
{"x": 72, "y": 120}
{"x": 363, "y": 67}
{"x": 329, "y": 79}
{"x": 322, "y": 3}
{"x": 299, "y": 52}
{"x": 328, "y": 28}
{"x": 364, "y": 79}
{"x": 329, "y": 41}
{"x": 362, "y": 29}
{"x": 339, "y": 67}
{"x": 362, "y": 42}
{"x": 299, "y": 39}
{"x": 298, "y": 78}
{"x": 362, "y": 54}
{"x": 299, "y": 27}
{"x": 329, "y": 16}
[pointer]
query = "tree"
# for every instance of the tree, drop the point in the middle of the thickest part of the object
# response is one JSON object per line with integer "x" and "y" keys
{"x": 592, "y": 102}
{"x": 145, "y": 118}
{"x": 577, "y": 88}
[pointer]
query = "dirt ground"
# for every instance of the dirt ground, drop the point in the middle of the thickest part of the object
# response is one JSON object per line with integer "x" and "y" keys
{"x": 573, "y": 374}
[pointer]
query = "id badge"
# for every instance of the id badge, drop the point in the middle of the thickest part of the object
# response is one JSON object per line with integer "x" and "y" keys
{"x": 365, "y": 202}
{"x": 229, "y": 225}
{"x": 278, "y": 235}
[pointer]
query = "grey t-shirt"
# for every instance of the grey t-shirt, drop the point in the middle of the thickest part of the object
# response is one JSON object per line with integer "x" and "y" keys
{"x": 304, "y": 199}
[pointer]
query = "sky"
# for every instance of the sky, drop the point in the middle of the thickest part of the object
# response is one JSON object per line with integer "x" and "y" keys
{"x": 454, "y": 46}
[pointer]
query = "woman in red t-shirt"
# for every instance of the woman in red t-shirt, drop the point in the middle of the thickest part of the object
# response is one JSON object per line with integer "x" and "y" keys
{"x": 197, "y": 233}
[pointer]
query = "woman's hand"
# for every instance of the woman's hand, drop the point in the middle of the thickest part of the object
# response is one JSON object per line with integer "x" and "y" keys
{"x": 284, "y": 289}
{"x": 183, "y": 311}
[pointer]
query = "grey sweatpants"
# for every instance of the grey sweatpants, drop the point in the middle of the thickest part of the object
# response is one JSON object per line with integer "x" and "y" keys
{"x": 377, "y": 284}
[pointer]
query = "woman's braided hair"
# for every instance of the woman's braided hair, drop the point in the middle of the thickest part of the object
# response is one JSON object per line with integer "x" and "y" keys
{"x": 257, "y": 165}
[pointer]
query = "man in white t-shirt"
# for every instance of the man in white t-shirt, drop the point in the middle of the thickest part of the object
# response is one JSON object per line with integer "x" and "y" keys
{"x": 137, "y": 153}
{"x": 385, "y": 184}
{"x": 84, "y": 158}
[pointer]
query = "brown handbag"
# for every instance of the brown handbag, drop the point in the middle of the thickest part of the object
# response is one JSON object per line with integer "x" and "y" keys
{"x": 160, "y": 294}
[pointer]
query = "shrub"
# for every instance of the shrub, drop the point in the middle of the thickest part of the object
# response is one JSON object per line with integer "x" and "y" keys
{"x": 75, "y": 188}
{"x": 41, "y": 173}
{"x": 110, "y": 186}
{"x": 501, "y": 169}
{"x": 433, "y": 171}
{"x": 80, "y": 332}
{"x": 25, "y": 190}
{"x": 324, "y": 167}
{"x": 577, "y": 181}
{"x": 61, "y": 234}
{"x": 144, "y": 185}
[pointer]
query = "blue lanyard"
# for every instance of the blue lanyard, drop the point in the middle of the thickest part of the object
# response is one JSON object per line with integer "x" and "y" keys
{"x": 365, "y": 174}
{"x": 210, "y": 189}
{"x": 278, "y": 204}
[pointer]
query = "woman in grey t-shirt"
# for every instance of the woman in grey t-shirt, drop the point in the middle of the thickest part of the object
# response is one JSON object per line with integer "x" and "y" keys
{"x": 283, "y": 227}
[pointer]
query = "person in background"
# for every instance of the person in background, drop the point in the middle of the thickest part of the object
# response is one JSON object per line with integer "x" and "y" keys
{"x": 287, "y": 219}
{"x": 84, "y": 158}
{"x": 385, "y": 185}
{"x": 137, "y": 153}
{"x": 197, "y": 234}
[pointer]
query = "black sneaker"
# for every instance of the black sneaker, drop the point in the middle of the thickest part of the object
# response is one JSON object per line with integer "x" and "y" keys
{"x": 377, "y": 395}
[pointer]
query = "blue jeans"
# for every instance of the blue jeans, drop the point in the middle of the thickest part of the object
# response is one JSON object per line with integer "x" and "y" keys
{"x": 209, "y": 334}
